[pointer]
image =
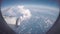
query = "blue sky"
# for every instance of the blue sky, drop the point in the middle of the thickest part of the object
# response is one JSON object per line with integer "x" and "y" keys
{"x": 28, "y": 2}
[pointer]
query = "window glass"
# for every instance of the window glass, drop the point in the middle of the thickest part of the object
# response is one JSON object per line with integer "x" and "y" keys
{"x": 30, "y": 16}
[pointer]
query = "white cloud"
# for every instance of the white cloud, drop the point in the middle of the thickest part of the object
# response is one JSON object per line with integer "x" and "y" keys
{"x": 48, "y": 21}
{"x": 19, "y": 11}
{"x": 43, "y": 7}
{"x": 26, "y": 12}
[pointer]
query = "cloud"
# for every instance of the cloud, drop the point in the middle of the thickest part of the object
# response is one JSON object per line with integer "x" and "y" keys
{"x": 48, "y": 21}
{"x": 25, "y": 12}
{"x": 43, "y": 7}
{"x": 18, "y": 11}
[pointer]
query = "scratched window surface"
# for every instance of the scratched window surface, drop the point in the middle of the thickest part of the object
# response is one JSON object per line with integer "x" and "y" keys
{"x": 30, "y": 16}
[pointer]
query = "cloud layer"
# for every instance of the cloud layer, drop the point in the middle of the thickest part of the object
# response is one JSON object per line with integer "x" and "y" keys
{"x": 17, "y": 11}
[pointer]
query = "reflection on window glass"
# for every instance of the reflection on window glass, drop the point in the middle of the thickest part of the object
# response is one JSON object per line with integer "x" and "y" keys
{"x": 30, "y": 17}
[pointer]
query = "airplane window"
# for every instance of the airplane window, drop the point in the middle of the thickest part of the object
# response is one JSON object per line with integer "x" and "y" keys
{"x": 30, "y": 17}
